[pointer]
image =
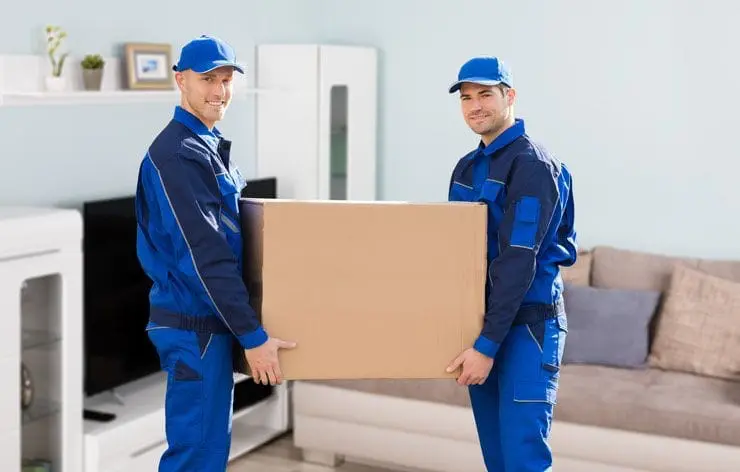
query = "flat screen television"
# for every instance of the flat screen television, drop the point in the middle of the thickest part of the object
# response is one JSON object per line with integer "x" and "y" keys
{"x": 117, "y": 349}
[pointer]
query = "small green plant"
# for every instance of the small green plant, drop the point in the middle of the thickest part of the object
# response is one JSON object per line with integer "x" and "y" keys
{"x": 92, "y": 61}
{"x": 54, "y": 37}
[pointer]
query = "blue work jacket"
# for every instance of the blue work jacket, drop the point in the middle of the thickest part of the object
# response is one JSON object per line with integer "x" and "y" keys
{"x": 189, "y": 231}
{"x": 531, "y": 229}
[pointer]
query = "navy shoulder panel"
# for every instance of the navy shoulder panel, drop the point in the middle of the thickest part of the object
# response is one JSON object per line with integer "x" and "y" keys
{"x": 167, "y": 143}
{"x": 528, "y": 151}
{"x": 466, "y": 158}
{"x": 459, "y": 166}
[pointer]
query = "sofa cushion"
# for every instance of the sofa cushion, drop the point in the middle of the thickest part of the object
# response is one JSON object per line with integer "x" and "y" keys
{"x": 633, "y": 270}
{"x": 650, "y": 401}
{"x": 609, "y": 326}
{"x": 698, "y": 328}
{"x": 580, "y": 272}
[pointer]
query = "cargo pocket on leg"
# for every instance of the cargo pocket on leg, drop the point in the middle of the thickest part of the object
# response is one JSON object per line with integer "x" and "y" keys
{"x": 535, "y": 392}
{"x": 549, "y": 336}
{"x": 184, "y": 404}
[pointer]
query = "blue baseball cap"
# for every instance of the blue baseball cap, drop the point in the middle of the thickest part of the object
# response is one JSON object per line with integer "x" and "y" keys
{"x": 483, "y": 70}
{"x": 206, "y": 53}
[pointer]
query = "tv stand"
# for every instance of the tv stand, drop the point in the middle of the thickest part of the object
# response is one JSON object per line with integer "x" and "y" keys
{"x": 117, "y": 397}
{"x": 95, "y": 415}
{"x": 135, "y": 438}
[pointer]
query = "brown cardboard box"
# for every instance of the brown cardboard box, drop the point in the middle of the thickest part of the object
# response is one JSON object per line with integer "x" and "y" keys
{"x": 366, "y": 289}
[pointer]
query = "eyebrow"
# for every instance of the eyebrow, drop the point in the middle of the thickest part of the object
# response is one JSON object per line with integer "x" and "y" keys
{"x": 487, "y": 90}
{"x": 215, "y": 76}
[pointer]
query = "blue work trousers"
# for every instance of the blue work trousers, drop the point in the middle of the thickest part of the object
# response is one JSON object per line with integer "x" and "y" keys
{"x": 199, "y": 398}
{"x": 513, "y": 409}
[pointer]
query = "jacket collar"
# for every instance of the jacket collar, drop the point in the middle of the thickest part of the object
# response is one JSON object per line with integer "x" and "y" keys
{"x": 509, "y": 135}
{"x": 211, "y": 137}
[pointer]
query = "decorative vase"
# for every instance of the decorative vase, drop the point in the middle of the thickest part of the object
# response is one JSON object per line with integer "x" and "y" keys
{"x": 55, "y": 84}
{"x": 92, "y": 78}
{"x": 26, "y": 388}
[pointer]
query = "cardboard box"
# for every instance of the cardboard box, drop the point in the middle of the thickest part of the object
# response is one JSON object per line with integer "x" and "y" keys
{"x": 367, "y": 289}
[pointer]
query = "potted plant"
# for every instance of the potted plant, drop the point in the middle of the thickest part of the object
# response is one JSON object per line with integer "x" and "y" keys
{"x": 54, "y": 37}
{"x": 92, "y": 71}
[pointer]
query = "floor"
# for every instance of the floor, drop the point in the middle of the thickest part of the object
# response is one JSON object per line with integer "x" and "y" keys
{"x": 281, "y": 456}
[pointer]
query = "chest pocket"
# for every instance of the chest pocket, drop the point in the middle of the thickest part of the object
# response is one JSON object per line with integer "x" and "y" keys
{"x": 493, "y": 194}
{"x": 462, "y": 193}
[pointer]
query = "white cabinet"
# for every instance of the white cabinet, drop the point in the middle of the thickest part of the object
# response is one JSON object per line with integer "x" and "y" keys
{"x": 316, "y": 128}
{"x": 41, "y": 303}
{"x": 135, "y": 439}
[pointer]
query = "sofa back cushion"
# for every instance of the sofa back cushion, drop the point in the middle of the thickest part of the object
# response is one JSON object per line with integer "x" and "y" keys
{"x": 580, "y": 272}
{"x": 634, "y": 270}
{"x": 698, "y": 327}
{"x": 729, "y": 270}
{"x": 609, "y": 326}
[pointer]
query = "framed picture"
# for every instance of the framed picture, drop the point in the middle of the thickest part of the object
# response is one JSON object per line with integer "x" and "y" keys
{"x": 148, "y": 66}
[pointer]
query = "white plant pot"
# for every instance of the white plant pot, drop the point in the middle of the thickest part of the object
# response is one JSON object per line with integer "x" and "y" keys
{"x": 56, "y": 84}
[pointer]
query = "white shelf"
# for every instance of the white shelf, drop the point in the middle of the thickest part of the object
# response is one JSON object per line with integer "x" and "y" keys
{"x": 103, "y": 97}
{"x": 22, "y": 85}
{"x": 135, "y": 439}
{"x": 246, "y": 437}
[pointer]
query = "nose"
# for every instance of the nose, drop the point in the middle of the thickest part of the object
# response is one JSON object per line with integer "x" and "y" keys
{"x": 474, "y": 104}
{"x": 220, "y": 89}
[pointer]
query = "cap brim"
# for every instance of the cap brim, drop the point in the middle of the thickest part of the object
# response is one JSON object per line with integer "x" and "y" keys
{"x": 473, "y": 80}
{"x": 203, "y": 68}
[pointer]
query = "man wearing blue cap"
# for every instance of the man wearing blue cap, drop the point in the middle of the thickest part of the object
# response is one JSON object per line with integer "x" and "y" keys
{"x": 189, "y": 243}
{"x": 513, "y": 368}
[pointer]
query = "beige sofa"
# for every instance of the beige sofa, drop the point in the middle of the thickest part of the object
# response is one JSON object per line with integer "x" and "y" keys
{"x": 681, "y": 413}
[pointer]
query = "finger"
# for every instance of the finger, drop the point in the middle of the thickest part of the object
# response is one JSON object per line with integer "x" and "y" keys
{"x": 463, "y": 379}
{"x": 285, "y": 344}
{"x": 271, "y": 376}
{"x": 455, "y": 364}
{"x": 260, "y": 376}
{"x": 278, "y": 373}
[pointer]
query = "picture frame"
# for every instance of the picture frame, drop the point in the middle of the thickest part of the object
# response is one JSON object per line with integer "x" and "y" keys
{"x": 148, "y": 66}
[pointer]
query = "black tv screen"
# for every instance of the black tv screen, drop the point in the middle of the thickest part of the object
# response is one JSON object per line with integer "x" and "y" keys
{"x": 116, "y": 298}
{"x": 116, "y": 293}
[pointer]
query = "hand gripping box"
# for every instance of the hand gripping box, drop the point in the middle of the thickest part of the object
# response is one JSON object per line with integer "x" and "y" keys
{"x": 367, "y": 290}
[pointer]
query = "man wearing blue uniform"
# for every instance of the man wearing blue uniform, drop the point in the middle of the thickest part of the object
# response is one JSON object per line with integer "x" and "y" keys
{"x": 190, "y": 245}
{"x": 513, "y": 368}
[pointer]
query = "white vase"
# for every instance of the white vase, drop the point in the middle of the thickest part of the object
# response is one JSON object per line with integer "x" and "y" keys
{"x": 56, "y": 84}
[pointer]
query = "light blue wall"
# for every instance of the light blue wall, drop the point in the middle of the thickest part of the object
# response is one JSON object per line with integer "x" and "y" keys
{"x": 637, "y": 96}
{"x": 66, "y": 154}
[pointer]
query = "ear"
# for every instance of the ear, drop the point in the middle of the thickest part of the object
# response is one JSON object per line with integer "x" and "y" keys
{"x": 180, "y": 79}
{"x": 510, "y": 96}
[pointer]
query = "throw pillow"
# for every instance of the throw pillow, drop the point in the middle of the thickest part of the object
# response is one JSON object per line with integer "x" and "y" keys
{"x": 609, "y": 326}
{"x": 698, "y": 329}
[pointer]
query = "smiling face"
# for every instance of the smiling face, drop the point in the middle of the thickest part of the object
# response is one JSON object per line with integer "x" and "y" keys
{"x": 488, "y": 110}
{"x": 206, "y": 95}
